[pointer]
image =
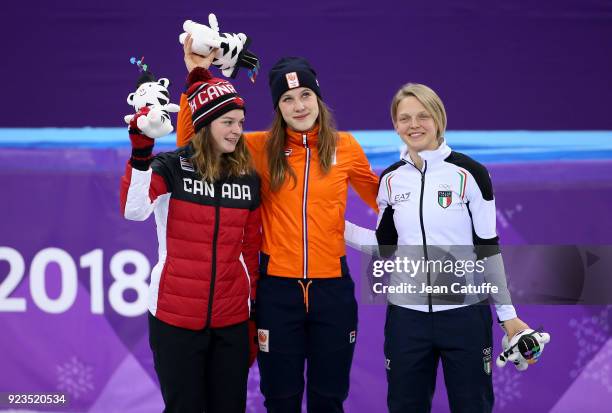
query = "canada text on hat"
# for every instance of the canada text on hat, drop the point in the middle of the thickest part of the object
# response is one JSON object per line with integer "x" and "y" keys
{"x": 208, "y": 92}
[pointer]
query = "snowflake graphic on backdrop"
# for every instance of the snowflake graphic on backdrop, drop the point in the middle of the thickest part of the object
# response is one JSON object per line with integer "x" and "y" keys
{"x": 506, "y": 385}
{"x": 592, "y": 333}
{"x": 254, "y": 397}
{"x": 75, "y": 378}
{"x": 505, "y": 216}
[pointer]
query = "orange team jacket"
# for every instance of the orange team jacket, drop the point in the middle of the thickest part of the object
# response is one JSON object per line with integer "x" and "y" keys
{"x": 303, "y": 223}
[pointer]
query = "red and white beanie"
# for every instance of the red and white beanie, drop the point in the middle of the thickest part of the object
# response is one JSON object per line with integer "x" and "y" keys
{"x": 210, "y": 97}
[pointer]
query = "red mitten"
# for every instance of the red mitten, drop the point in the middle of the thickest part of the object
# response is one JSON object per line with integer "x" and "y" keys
{"x": 253, "y": 343}
{"x": 142, "y": 145}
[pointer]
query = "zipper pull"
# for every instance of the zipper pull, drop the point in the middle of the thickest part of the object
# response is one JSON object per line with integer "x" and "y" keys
{"x": 304, "y": 141}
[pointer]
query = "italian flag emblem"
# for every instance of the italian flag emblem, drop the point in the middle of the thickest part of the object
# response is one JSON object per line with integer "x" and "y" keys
{"x": 445, "y": 198}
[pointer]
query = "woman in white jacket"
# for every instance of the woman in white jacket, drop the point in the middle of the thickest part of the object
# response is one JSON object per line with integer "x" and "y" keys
{"x": 437, "y": 204}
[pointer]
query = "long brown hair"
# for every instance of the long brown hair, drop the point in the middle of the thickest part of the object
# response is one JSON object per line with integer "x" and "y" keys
{"x": 277, "y": 138}
{"x": 209, "y": 167}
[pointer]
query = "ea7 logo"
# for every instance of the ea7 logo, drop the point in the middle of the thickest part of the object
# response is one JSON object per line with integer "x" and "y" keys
{"x": 401, "y": 197}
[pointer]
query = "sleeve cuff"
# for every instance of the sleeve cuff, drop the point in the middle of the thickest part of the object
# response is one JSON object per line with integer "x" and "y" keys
{"x": 505, "y": 312}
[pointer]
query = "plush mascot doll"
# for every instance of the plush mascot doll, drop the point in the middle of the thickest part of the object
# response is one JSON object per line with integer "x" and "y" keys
{"x": 232, "y": 53}
{"x": 523, "y": 349}
{"x": 153, "y": 94}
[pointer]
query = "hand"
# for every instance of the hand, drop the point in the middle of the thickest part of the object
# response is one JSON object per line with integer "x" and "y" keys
{"x": 193, "y": 60}
{"x": 514, "y": 326}
{"x": 137, "y": 137}
{"x": 142, "y": 145}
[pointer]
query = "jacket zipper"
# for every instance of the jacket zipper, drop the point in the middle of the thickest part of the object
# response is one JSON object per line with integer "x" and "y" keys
{"x": 429, "y": 299}
{"x": 213, "y": 271}
{"x": 304, "y": 203}
{"x": 248, "y": 277}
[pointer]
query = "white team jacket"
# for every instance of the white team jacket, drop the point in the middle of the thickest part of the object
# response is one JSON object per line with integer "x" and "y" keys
{"x": 449, "y": 202}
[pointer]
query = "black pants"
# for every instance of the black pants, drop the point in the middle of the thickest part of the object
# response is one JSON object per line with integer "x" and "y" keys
{"x": 312, "y": 322}
{"x": 414, "y": 343}
{"x": 201, "y": 371}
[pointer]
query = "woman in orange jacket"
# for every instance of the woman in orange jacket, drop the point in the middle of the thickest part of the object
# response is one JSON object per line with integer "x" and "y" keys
{"x": 306, "y": 308}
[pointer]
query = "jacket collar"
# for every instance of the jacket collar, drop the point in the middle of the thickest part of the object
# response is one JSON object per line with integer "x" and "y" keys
{"x": 435, "y": 156}
{"x": 297, "y": 138}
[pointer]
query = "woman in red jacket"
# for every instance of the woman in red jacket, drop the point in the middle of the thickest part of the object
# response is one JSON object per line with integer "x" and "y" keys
{"x": 205, "y": 198}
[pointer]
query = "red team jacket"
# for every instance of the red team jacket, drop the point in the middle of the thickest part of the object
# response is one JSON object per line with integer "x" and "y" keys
{"x": 209, "y": 238}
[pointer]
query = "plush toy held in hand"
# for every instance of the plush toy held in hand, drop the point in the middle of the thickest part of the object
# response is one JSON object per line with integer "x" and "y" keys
{"x": 232, "y": 53}
{"x": 523, "y": 349}
{"x": 153, "y": 94}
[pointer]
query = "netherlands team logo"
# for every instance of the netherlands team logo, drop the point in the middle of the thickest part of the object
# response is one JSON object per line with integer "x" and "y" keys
{"x": 292, "y": 80}
{"x": 445, "y": 198}
{"x": 263, "y": 338}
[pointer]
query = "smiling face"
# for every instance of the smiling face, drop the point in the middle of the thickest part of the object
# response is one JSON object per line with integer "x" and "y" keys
{"x": 226, "y": 131}
{"x": 299, "y": 108}
{"x": 415, "y": 125}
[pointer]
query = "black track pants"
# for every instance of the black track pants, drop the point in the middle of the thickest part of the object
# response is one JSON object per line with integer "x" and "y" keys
{"x": 201, "y": 371}
{"x": 307, "y": 324}
{"x": 415, "y": 341}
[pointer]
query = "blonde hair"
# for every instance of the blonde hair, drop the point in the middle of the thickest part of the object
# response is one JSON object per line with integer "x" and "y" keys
{"x": 277, "y": 139}
{"x": 210, "y": 167}
{"x": 428, "y": 98}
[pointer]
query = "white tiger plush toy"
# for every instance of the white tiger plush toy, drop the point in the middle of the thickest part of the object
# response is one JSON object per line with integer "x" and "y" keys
{"x": 152, "y": 93}
{"x": 232, "y": 53}
{"x": 524, "y": 349}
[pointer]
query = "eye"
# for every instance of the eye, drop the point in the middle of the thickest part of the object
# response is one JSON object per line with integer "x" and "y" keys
{"x": 286, "y": 99}
{"x": 424, "y": 116}
{"x": 306, "y": 94}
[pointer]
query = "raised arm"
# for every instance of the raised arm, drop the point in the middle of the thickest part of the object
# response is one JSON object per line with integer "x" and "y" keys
{"x": 141, "y": 186}
{"x": 184, "y": 127}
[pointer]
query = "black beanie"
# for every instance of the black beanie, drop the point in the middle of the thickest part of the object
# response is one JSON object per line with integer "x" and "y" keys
{"x": 146, "y": 77}
{"x": 290, "y": 73}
